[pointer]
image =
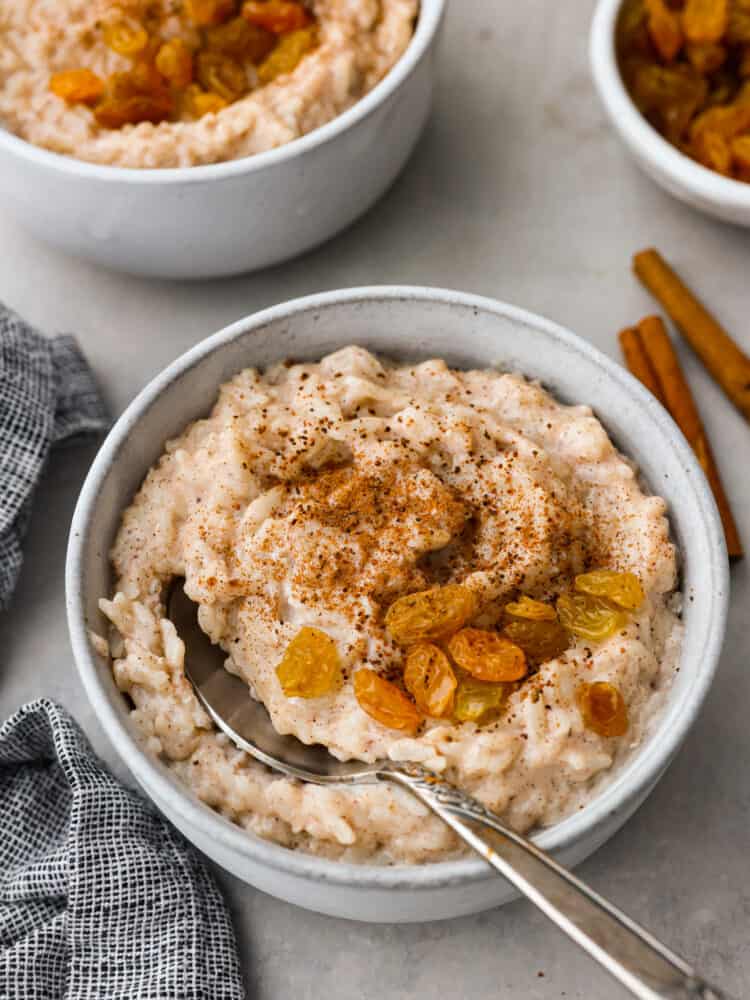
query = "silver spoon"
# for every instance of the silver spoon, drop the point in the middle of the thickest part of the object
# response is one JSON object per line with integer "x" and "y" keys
{"x": 633, "y": 956}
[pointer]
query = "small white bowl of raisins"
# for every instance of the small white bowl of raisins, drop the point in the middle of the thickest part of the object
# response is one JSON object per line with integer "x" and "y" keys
{"x": 675, "y": 82}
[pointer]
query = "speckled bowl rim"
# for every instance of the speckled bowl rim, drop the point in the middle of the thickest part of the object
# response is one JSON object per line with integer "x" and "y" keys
{"x": 429, "y": 19}
{"x": 657, "y": 152}
{"x": 633, "y": 781}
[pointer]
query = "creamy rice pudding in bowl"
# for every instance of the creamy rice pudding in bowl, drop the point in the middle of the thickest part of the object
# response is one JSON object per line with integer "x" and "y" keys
{"x": 197, "y": 138}
{"x": 406, "y": 489}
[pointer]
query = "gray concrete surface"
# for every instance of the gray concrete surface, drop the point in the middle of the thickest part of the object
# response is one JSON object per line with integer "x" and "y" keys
{"x": 519, "y": 190}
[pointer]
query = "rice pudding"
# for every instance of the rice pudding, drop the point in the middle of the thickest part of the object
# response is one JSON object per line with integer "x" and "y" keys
{"x": 403, "y": 562}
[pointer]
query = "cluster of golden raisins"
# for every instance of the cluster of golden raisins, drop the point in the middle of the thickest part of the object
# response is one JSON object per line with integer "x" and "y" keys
{"x": 686, "y": 64}
{"x": 454, "y": 671}
{"x": 226, "y": 50}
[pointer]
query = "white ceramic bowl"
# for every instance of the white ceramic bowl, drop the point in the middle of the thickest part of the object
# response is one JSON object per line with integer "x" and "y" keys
{"x": 408, "y": 324}
{"x": 687, "y": 180}
{"x": 228, "y": 218}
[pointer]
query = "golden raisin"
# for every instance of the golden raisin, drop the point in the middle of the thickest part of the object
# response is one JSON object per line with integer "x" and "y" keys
{"x": 208, "y": 12}
{"x": 77, "y": 86}
{"x": 712, "y": 132}
{"x": 119, "y": 86}
{"x": 222, "y": 75}
{"x": 540, "y": 640}
{"x": 487, "y": 656}
{"x": 722, "y": 89}
{"x": 132, "y": 110}
{"x": 664, "y": 29}
{"x": 623, "y": 589}
{"x": 241, "y": 40}
{"x": 174, "y": 61}
{"x": 632, "y": 29}
{"x": 477, "y": 701}
{"x": 429, "y": 679}
{"x": 143, "y": 79}
{"x": 669, "y": 96}
{"x": 202, "y": 103}
{"x": 705, "y": 57}
{"x": 590, "y": 617}
{"x": 146, "y": 79}
{"x": 727, "y": 121}
{"x": 714, "y": 152}
{"x": 741, "y": 151}
{"x": 125, "y": 37}
{"x": 384, "y": 702}
{"x": 603, "y": 709}
{"x": 526, "y": 607}
{"x": 430, "y": 614}
{"x": 278, "y": 16}
{"x": 287, "y": 54}
{"x": 705, "y": 20}
{"x": 310, "y": 666}
{"x": 738, "y": 29}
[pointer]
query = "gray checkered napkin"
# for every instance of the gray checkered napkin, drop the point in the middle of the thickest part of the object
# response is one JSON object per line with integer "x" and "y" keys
{"x": 100, "y": 899}
{"x": 47, "y": 396}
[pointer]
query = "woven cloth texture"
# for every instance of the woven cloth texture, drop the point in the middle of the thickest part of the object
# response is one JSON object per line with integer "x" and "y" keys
{"x": 47, "y": 396}
{"x": 100, "y": 898}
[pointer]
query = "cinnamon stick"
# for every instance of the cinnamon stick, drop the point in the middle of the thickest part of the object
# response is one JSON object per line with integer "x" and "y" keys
{"x": 679, "y": 400}
{"x": 639, "y": 362}
{"x": 723, "y": 358}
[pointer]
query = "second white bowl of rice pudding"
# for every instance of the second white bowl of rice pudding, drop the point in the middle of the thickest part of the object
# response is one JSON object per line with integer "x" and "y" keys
{"x": 414, "y": 540}
{"x": 200, "y": 138}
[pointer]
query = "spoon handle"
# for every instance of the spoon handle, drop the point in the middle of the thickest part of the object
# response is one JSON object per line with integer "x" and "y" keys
{"x": 633, "y": 956}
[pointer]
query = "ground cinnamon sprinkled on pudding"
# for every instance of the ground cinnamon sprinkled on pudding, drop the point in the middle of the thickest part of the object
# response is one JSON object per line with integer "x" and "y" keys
{"x": 415, "y": 563}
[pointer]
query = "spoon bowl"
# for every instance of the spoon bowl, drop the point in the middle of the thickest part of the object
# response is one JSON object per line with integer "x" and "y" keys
{"x": 244, "y": 720}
